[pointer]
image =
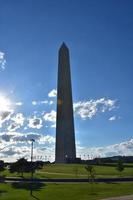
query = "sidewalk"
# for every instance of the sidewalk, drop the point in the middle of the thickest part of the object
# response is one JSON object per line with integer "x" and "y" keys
{"x": 129, "y": 197}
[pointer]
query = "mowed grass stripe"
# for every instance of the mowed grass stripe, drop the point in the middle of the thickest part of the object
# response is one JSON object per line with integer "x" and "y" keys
{"x": 64, "y": 191}
{"x": 74, "y": 171}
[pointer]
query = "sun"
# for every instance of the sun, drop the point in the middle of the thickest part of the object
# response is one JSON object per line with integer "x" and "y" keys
{"x": 5, "y": 103}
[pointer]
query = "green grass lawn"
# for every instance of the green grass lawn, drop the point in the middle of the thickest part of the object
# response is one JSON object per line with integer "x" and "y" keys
{"x": 68, "y": 171}
{"x": 86, "y": 191}
{"x": 101, "y": 171}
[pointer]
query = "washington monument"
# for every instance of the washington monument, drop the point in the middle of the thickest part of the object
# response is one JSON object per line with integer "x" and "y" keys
{"x": 65, "y": 134}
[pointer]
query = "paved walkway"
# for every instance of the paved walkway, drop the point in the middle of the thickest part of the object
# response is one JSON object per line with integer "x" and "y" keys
{"x": 57, "y": 173}
{"x": 67, "y": 180}
{"x": 129, "y": 197}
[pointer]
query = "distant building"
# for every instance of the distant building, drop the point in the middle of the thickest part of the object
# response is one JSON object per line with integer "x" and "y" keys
{"x": 65, "y": 134}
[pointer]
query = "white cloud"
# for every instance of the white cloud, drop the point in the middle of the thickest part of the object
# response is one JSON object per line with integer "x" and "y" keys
{"x": 85, "y": 109}
{"x": 5, "y": 103}
{"x": 12, "y": 153}
{"x": 19, "y": 103}
{"x": 19, "y": 144}
{"x": 47, "y": 139}
{"x": 123, "y": 149}
{"x": 113, "y": 118}
{"x": 35, "y": 103}
{"x": 13, "y": 127}
{"x": 27, "y": 137}
{"x": 7, "y": 110}
{"x": 53, "y": 125}
{"x": 4, "y": 116}
{"x": 18, "y": 121}
{"x": 25, "y": 128}
{"x": 15, "y": 137}
{"x": 51, "y": 117}
{"x": 88, "y": 109}
{"x": 2, "y": 61}
{"x": 35, "y": 123}
{"x": 52, "y": 93}
{"x": 1, "y": 55}
{"x": 51, "y": 102}
{"x": 44, "y": 102}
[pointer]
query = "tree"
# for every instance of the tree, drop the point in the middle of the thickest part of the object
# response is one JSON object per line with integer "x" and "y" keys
{"x": 91, "y": 172}
{"x": 2, "y": 167}
{"x": 120, "y": 166}
{"x": 20, "y": 166}
{"x": 91, "y": 176}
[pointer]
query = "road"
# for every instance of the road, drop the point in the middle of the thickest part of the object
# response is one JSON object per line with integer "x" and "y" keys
{"x": 65, "y": 180}
{"x": 129, "y": 197}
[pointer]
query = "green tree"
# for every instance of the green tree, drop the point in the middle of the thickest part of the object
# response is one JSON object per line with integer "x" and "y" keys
{"x": 91, "y": 172}
{"x": 20, "y": 166}
{"x": 2, "y": 167}
{"x": 120, "y": 166}
{"x": 91, "y": 177}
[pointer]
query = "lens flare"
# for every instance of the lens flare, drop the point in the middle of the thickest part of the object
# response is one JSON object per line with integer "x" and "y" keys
{"x": 5, "y": 103}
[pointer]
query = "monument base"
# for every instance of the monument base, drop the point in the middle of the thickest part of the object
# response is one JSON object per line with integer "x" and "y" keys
{"x": 73, "y": 160}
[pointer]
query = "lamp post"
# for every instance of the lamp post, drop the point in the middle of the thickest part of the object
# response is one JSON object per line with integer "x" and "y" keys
{"x": 32, "y": 142}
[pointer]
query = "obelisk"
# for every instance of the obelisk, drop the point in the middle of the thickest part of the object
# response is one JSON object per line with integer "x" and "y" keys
{"x": 65, "y": 134}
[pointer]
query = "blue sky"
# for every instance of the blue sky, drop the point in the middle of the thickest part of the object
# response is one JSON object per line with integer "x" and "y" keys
{"x": 99, "y": 35}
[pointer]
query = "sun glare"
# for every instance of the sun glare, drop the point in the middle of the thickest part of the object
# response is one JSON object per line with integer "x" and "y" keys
{"x": 5, "y": 103}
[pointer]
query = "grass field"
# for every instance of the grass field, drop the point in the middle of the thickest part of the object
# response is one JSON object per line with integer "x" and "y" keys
{"x": 66, "y": 191}
{"x": 22, "y": 191}
{"x": 69, "y": 171}
{"x": 101, "y": 171}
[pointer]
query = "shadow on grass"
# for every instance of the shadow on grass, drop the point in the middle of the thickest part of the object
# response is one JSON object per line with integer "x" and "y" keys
{"x": 31, "y": 187}
{"x": 2, "y": 181}
{"x": 2, "y": 192}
